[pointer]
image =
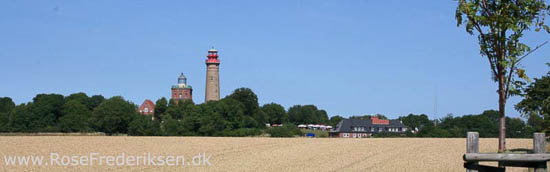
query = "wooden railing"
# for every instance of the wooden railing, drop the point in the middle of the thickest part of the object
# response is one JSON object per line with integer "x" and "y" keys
{"x": 536, "y": 159}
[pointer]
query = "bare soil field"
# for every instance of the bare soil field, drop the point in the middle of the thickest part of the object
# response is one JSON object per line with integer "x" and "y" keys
{"x": 253, "y": 154}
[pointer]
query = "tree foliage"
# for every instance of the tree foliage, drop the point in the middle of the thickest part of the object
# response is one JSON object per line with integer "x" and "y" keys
{"x": 308, "y": 114}
{"x": 7, "y": 107}
{"x": 114, "y": 115}
{"x": 287, "y": 130}
{"x": 75, "y": 117}
{"x": 144, "y": 126}
{"x": 334, "y": 120}
{"x": 536, "y": 103}
{"x": 160, "y": 107}
{"x": 226, "y": 117}
{"x": 486, "y": 124}
{"x": 276, "y": 114}
{"x": 45, "y": 112}
{"x": 416, "y": 121}
{"x": 251, "y": 107}
{"x": 500, "y": 25}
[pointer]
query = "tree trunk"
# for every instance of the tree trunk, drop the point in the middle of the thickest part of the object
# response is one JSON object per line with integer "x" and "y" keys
{"x": 501, "y": 109}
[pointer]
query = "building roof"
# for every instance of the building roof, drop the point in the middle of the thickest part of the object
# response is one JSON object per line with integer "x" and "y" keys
{"x": 182, "y": 76}
{"x": 212, "y": 50}
{"x": 149, "y": 105}
{"x": 147, "y": 101}
{"x": 346, "y": 125}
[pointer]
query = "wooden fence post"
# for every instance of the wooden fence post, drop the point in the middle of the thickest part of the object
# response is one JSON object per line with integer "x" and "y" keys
{"x": 539, "y": 146}
{"x": 472, "y": 146}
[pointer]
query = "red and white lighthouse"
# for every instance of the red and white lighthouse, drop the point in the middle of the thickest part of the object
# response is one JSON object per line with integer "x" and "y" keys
{"x": 212, "y": 76}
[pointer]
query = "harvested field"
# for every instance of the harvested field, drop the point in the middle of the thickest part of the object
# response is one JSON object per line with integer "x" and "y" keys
{"x": 256, "y": 154}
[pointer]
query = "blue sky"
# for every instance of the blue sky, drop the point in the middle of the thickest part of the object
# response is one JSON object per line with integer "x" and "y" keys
{"x": 348, "y": 57}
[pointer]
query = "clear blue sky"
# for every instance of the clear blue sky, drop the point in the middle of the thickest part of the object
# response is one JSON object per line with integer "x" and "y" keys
{"x": 348, "y": 57}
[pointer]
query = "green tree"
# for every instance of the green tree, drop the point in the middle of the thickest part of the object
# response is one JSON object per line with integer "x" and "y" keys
{"x": 7, "y": 107}
{"x": 211, "y": 121}
{"x": 175, "y": 110}
{"x": 486, "y": 124}
{"x": 297, "y": 115}
{"x": 287, "y": 130}
{"x": 191, "y": 122}
{"x": 160, "y": 107}
{"x": 537, "y": 123}
{"x": 46, "y": 111}
{"x": 76, "y": 117}
{"x": 500, "y": 25}
{"x": 173, "y": 127}
{"x": 416, "y": 121}
{"x": 516, "y": 128}
{"x": 81, "y": 98}
{"x": 232, "y": 114}
{"x": 95, "y": 101}
{"x": 20, "y": 119}
{"x": 321, "y": 116}
{"x": 6, "y": 104}
{"x": 114, "y": 115}
{"x": 307, "y": 114}
{"x": 251, "y": 107}
{"x": 276, "y": 114}
{"x": 536, "y": 103}
{"x": 334, "y": 120}
{"x": 144, "y": 126}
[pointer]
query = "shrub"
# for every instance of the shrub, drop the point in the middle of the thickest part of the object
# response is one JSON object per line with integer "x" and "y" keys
{"x": 287, "y": 130}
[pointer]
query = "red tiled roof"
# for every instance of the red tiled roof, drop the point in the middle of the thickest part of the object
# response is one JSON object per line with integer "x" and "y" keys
{"x": 375, "y": 120}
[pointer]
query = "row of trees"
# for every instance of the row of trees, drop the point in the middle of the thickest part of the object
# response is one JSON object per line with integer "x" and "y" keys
{"x": 238, "y": 114}
{"x": 535, "y": 107}
{"x": 486, "y": 124}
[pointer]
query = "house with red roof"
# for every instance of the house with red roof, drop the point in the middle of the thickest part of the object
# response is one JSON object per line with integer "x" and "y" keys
{"x": 147, "y": 108}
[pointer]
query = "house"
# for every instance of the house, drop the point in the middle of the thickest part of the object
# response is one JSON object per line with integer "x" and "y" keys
{"x": 147, "y": 107}
{"x": 358, "y": 128}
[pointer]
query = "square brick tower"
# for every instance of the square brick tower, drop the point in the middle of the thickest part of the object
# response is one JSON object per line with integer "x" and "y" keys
{"x": 182, "y": 91}
{"x": 212, "y": 76}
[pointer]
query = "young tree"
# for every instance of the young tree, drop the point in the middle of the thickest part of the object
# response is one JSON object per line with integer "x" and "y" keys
{"x": 500, "y": 24}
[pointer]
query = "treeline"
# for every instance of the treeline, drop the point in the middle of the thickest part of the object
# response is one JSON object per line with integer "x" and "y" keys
{"x": 238, "y": 114}
{"x": 485, "y": 123}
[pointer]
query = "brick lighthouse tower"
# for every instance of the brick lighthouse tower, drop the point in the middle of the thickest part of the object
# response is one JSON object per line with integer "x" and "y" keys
{"x": 212, "y": 76}
{"x": 182, "y": 91}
